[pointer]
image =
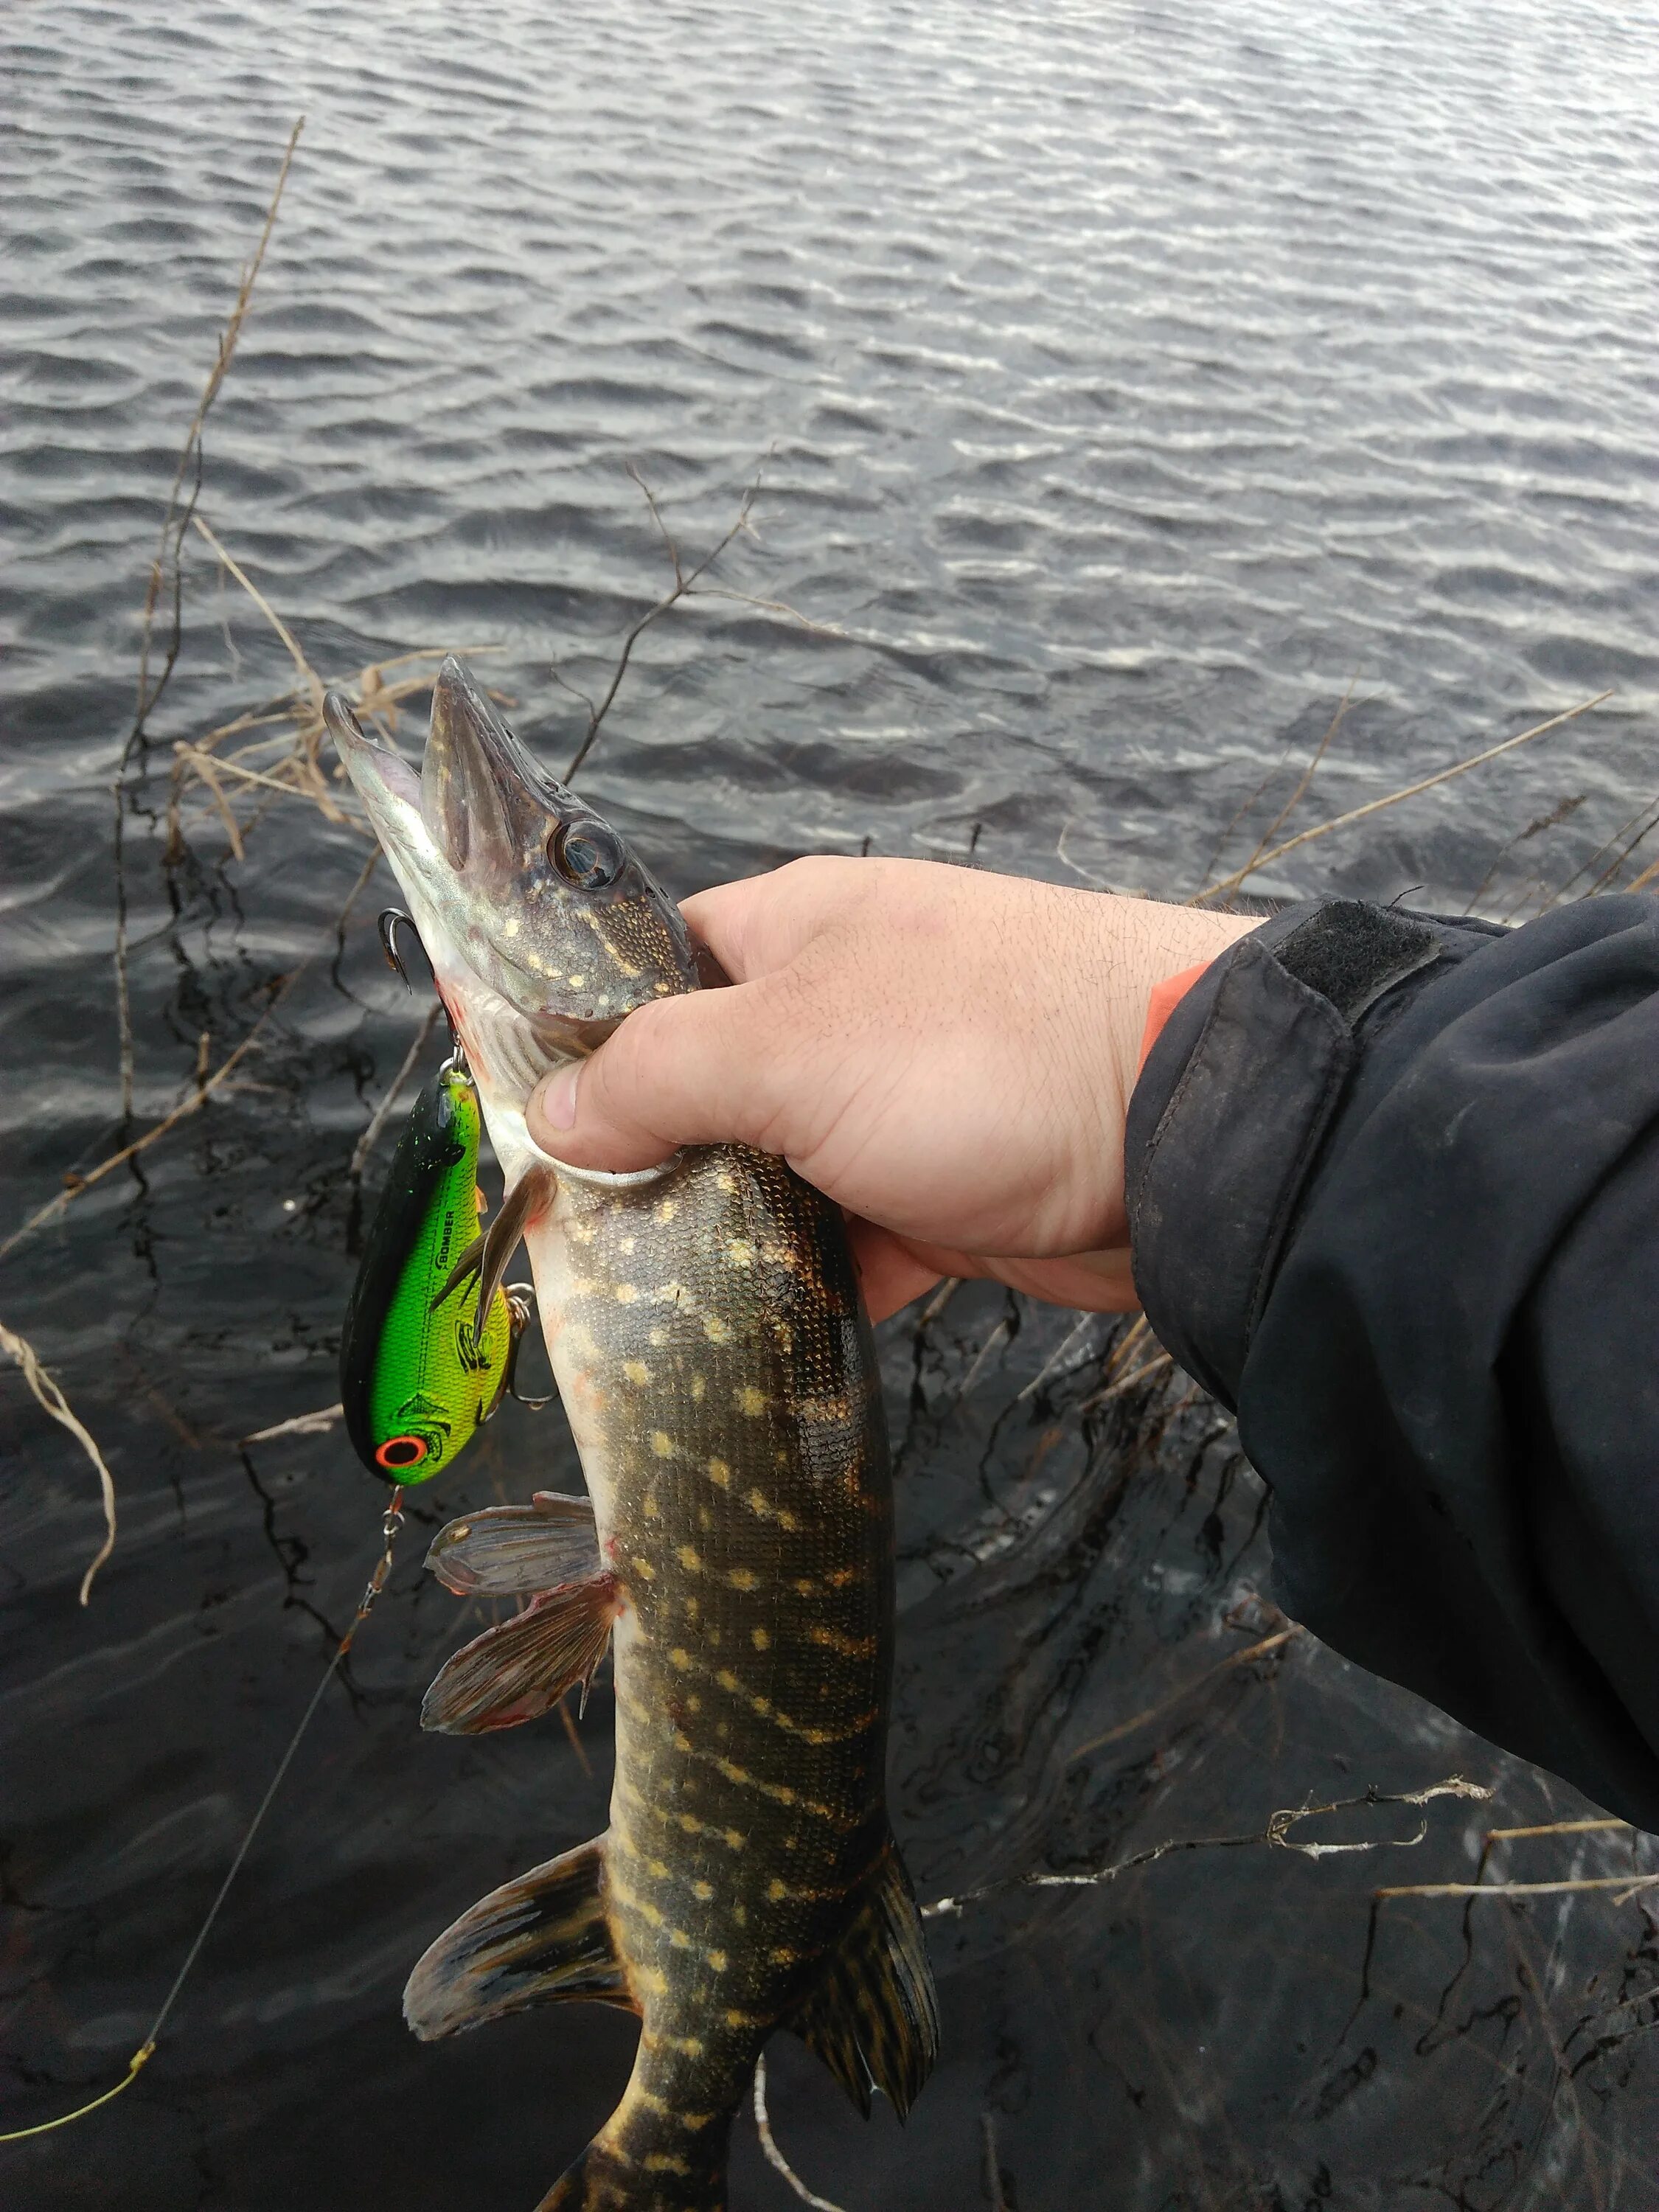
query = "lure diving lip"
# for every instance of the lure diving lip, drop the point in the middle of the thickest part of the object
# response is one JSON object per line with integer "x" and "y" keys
{"x": 421, "y": 1370}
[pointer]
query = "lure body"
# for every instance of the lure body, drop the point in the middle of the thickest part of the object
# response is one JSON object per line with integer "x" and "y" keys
{"x": 418, "y": 1377}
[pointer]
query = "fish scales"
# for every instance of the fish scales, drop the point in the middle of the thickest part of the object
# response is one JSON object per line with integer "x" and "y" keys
{"x": 709, "y": 1345}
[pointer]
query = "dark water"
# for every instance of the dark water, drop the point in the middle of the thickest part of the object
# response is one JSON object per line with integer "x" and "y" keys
{"x": 1134, "y": 383}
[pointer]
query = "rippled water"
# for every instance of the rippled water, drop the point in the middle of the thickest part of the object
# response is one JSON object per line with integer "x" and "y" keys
{"x": 1130, "y": 385}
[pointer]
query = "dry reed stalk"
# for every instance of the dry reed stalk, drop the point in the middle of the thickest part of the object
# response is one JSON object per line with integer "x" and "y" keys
{"x": 166, "y": 575}
{"x": 1261, "y": 859}
{"x": 51, "y": 1399}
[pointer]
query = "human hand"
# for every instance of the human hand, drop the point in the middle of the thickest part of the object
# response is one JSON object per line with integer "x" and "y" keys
{"x": 946, "y": 1053}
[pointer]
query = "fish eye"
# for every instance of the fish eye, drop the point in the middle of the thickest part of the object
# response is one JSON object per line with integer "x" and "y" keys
{"x": 586, "y": 853}
{"x": 398, "y": 1454}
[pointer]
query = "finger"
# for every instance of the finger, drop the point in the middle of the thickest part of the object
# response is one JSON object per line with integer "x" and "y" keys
{"x": 890, "y": 1275}
{"x": 761, "y": 923}
{"x": 687, "y": 1071}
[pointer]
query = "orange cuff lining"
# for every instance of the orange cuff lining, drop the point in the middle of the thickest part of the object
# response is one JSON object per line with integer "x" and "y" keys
{"x": 1166, "y": 997}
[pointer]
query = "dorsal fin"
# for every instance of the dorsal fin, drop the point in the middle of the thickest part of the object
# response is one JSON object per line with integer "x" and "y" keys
{"x": 872, "y": 2017}
{"x": 544, "y": 1935}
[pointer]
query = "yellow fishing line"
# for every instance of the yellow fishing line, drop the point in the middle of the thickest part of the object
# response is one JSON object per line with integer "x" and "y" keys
{"x": 389, "y": 1527}
{"x": 140, "y": 2058}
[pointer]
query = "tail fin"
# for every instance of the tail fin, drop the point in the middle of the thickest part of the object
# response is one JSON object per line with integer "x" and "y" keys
{"x": 606, "y": 2178}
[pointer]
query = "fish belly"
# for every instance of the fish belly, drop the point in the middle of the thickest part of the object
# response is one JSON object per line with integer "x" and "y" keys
{"x": 712, "y": 1352}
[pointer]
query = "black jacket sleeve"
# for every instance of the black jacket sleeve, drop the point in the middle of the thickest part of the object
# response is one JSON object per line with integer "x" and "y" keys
{"x": 1394, "y": 1194}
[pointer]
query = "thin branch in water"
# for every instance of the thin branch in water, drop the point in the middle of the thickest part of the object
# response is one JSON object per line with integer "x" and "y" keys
{"x": 684, "y": 583}
{"x": 1276, "y": 1834}
{"x": 365, "y": 1144}
{"x": 775, "y": 2157}
{"x": 51, "y": 1399}
{"x": 1629, "y": 1886}
{"x": 1233, "y": 1660}
{"x": 302, "y": 1425}
{"x": 164, "y": 575}
{"x": 1300, "y": 792}
{"x": 76, "y": 1183}
{"x": 1392, "y": 799}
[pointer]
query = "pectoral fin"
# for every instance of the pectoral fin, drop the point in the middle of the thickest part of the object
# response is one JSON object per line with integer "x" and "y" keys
{"x": 488, "y": 1256}
{"x": 513, "y": 1551}
{"x": 521, "y": 1670}
{"x": 541, "y": 1937}
{"x": 873, "y": 2018}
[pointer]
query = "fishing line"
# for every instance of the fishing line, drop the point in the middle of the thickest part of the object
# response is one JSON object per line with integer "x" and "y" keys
{"x": 392, "y": 1521}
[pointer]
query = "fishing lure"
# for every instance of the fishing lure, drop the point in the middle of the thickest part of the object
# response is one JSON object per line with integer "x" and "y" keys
{"x": 423, "y": 1364}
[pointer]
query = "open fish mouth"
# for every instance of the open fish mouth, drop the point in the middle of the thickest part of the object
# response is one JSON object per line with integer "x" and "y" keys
{"x": 537, "y": 895}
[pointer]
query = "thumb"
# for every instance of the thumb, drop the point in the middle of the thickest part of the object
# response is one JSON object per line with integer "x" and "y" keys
{"x": 685, "y": 1071}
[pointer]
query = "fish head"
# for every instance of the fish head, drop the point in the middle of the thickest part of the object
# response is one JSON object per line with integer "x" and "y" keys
{"x": 526, "y": 897}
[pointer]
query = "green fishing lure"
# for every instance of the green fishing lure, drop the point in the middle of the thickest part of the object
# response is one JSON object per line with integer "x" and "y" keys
{"x": 420, "y": 1371}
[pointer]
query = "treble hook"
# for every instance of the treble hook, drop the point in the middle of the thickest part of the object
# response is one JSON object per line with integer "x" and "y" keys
{"x": 521, "y": 1307}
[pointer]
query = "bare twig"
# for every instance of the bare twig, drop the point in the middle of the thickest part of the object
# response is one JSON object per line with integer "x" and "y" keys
{"x": 775, "y": 2157}
{"x": 685, "y": 586}
{"x": 51, "y": 1400}
{"x": 164, "y": 577}
{"x": 1629, "y": 1884}
{"x": 1300, "y": 792}
{"x": 1276, "y": 1834}
{"x": 196, "y": 1097}
{"x": 302, "y": 1425}
{"x": 1392, "y": 799}
{"x": 1234, "y": 1659}
{"x": 377, "y": 1121}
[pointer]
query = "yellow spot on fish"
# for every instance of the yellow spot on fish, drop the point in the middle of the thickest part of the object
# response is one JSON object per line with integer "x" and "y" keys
{"x": 662, "y": 1444}
{"x": 667, "y": 1208}
{"x": 775, "y": 1889}
{"x": 852, "y": 1647}
{"x": 744, "y": 1578}
{"x": 625, "y": 1293}
{"x": 649, "y": 1507}
{"x": 741, "y": 1253}
{"x": 659, "y": 1336}
{"x": 760, "y": 1640}
{"x": 783, "y": 1956}
{"x": 750, "y": 1400}
{"x": 645, "y": 1570}
{"x": 716, "y": 1329}
{"x": 625, "y": 1244}
{"x": 705, "y": 1890}
{"x": 735, "y": 2019}
{"x": 726, "y": 1679}
{"x": 651, "y": 1979}
{"x": 803, "y": 1586}
{"x": 725, "y": 1180}
{"x": 735, "y": 1838}
{"x": 680, "y": 1659}
{"x": 694, "y": 1704}
{"x": 717, "y": 1960}
{"x": 699, "y": 1388}
{"x": 720, "y": 1474}
{"x": 679, "y": 1939}
{"x": 662, "y": 2161}
{"x": 636, "y": 1371}
{"x": 689, "y": 1558}
{"x": 576, "y": 981}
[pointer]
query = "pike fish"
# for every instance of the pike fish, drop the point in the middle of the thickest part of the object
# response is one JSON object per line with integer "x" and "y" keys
{"x": 735, "y": 1548}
